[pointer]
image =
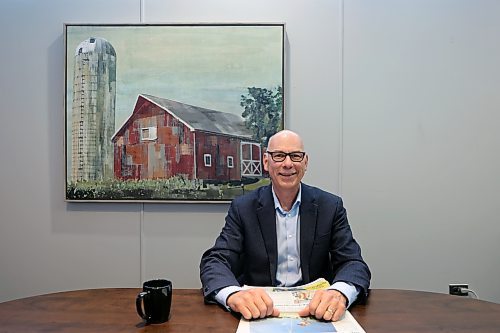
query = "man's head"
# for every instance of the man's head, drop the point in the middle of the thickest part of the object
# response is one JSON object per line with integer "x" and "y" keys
{"x": 286, "y": 170}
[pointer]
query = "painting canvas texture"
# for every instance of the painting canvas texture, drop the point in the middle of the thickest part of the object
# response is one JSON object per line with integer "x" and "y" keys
{"x": 174, "y": 113}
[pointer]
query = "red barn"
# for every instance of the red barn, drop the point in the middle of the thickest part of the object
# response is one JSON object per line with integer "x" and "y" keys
{"x": 163, "y": 138}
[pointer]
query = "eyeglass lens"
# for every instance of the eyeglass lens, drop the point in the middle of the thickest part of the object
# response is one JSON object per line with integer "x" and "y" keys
{"x": 295, "y": 156}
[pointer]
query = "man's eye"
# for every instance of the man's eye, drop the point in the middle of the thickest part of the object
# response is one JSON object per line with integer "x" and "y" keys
{"x": 279, "y": 155}
{"x": 296, "y": 156}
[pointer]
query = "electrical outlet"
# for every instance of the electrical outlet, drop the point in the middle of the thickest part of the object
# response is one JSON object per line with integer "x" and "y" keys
{"x": 457, "y": 289}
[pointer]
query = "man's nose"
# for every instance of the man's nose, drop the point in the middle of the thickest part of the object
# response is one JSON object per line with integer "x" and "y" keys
{"x": 288, "y": 161}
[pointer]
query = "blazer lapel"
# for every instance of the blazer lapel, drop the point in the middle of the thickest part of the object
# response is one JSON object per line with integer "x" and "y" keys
{"x": 308, "y": 220}
{"x": 266, "y": 215}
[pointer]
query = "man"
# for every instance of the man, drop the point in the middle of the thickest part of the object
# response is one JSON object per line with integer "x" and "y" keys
{"x": 285, "y": 234}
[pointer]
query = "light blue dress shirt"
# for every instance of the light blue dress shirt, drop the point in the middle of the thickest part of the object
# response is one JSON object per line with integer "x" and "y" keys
{"x": 288, "y": 272}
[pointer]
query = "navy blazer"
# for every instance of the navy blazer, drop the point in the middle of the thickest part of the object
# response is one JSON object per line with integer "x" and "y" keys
{"x": 246, "y": 250}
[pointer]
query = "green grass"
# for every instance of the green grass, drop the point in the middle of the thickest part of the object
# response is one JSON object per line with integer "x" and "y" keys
{"x": 175, "y": 188}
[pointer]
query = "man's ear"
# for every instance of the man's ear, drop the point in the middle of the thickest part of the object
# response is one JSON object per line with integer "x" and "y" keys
{"x": 265, "y": 161}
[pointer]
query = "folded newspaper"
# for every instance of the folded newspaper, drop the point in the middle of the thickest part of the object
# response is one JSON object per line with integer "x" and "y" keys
{"x": 290, "y": 300}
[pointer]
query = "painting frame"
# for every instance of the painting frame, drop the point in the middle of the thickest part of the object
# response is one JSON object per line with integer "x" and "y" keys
{"x": 170, "y": 113}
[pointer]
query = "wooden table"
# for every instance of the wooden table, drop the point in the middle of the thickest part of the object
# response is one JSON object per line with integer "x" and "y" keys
{"x": 113, "y": 310}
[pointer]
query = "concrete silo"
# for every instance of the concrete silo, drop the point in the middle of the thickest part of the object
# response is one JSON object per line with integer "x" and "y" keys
{"x": 93, "y": 110}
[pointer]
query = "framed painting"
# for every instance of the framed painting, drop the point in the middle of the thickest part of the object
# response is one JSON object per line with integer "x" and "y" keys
{"x": 170, "y": 112}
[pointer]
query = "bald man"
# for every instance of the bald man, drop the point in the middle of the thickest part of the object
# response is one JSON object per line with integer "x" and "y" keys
{"x": 285, "y": 234}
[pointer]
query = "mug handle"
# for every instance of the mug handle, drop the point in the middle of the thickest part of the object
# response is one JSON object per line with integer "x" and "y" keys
{"x": 138, "y": 305}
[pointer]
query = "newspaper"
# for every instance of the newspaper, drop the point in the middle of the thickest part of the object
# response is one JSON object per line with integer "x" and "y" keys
{"x": 291, "y": 300}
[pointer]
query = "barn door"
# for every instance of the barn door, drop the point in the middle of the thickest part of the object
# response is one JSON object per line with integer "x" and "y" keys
{"x": 251, "y": 165}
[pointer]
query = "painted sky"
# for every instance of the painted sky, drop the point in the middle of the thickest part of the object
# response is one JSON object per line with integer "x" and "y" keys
{"x": 206, "y": 66}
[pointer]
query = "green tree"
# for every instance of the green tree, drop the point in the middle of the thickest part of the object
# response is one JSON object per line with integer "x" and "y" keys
{"x": 263, "y": 112}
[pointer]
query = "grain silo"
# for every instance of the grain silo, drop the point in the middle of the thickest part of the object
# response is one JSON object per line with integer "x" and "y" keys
{"x": 93, "y": 110}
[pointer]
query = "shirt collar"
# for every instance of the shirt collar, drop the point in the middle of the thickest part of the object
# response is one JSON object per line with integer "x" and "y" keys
{"x": 277, "y": 204}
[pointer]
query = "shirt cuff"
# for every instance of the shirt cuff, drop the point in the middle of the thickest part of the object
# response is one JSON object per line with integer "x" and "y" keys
{"x": 222, "y": 295}
{"x": 349, "y": 291}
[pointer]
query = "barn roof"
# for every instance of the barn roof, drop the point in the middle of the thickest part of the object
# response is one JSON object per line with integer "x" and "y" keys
{"x": 201, "y": 119}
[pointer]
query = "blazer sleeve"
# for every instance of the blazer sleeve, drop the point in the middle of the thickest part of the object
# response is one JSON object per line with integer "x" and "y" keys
{"x": 333, "y": 252}
{"x": 220, "y": 265}
{"x": 345, "y": 254}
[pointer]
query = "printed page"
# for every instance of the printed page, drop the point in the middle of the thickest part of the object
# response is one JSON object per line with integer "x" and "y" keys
{"x": 291, "y": 300}
{"x": 300, "y": 325}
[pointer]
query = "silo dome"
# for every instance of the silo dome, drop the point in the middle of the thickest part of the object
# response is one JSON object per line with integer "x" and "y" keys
{"x": 94, "y": 44}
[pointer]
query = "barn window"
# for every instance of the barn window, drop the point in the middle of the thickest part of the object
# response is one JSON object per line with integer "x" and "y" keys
{"x": 230, "y": 162}
{"x": 148, "y": 133}
{"x": 207, "y": 158}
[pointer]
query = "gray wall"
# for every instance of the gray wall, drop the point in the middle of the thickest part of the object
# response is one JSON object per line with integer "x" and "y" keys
{"x": 398, "y": 103}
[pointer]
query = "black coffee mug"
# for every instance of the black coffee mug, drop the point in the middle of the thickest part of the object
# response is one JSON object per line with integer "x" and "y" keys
{"x": 156, "y": 299}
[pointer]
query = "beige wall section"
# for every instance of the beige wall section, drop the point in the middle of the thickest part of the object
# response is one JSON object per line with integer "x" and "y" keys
{"x": 47, "y": 245}
{"x": 175, "y": 236}
{"x": 396, "y": 101}
{"x": 421, "y": 141}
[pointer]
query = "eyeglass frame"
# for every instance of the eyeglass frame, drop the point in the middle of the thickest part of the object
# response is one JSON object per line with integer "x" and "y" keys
{"x": 271, "y": 153}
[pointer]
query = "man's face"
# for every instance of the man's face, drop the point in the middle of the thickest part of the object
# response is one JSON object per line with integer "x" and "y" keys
{"x": 287, "y": 174}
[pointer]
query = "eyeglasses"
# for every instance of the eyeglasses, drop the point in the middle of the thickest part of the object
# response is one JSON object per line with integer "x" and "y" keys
{"x": 280, "y": 156}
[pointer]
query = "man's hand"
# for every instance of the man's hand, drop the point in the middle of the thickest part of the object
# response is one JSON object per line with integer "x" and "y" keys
{"x": 252, "y": 304}
{"x": 326, "y": 304}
